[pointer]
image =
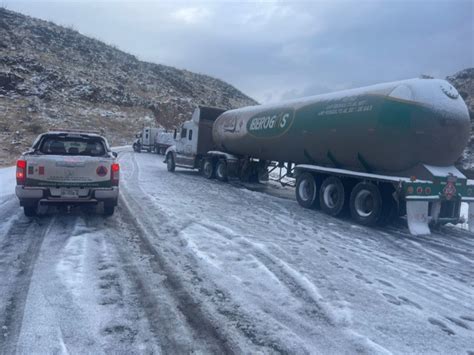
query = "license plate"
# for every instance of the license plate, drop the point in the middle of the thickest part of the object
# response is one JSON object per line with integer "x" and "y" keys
{"x": 71, "y": 193}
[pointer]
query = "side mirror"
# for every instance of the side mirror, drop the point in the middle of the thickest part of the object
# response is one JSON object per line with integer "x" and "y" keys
{"x": 175, "y": 133}
{"x": 115, "y": 154}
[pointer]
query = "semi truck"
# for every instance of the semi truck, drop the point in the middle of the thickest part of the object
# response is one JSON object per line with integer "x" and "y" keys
{"x": 153, "y": 139}
{"x": 373, "y": 153}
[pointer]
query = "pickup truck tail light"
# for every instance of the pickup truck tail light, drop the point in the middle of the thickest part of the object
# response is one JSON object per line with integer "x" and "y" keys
{"x": 20, "y": 172}
{"x": 115, "y": 174}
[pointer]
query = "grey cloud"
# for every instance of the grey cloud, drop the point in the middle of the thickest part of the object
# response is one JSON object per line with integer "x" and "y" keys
{"x": 278, "y": 50}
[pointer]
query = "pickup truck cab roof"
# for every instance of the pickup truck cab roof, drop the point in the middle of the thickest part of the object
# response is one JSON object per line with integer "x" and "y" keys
{"x": 53, "y": 142}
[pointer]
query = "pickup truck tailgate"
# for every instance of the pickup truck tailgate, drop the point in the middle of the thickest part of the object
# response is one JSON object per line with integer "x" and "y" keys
{"x": 81, "y": 171}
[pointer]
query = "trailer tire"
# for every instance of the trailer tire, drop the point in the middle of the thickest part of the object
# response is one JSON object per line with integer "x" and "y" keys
{"x": 221, "y": 170}
{"x": 30, "y": 210}
{"x": 366, "y": 204}
{"x": 208, "y": 169}
{"x": 333, "y": 196}
{"x": 307, "y": 191}
{"x": 170, "y": 163}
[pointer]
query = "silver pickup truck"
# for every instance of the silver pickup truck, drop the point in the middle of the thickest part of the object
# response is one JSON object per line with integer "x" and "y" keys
{"x": 69, "y": 168}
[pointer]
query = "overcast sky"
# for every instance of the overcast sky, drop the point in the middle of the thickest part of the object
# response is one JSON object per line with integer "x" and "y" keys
{"x": 273, "y": 50}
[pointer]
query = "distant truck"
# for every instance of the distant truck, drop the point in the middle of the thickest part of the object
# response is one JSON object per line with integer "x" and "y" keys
{"x": 153, "y": 139}
{"x": 68, "y": 167}
{"x": 375, "y": 152}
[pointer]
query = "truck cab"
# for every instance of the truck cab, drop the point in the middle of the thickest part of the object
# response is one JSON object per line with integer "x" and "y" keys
{"x": 193, "y": 140}
{"x": 145, "y": 140}
{"x": 186, "y": 143}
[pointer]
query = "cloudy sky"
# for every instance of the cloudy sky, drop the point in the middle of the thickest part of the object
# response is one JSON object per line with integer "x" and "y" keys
{"x": 273, "y": 50}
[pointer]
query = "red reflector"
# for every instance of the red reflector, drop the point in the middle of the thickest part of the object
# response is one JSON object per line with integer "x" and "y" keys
{"x": 115, "y": 167}
{"x": 20, "y": 172}
{"x": 21, "y": 164}
{"x": 101, "y": 170}
{"x": 41, "y": 170}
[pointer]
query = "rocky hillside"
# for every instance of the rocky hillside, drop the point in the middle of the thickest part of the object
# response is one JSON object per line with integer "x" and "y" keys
{"x": 51, "y": 76}
{"x": 463, "y": 81}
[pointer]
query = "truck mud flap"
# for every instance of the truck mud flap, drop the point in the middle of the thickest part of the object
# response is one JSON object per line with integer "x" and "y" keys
{"x": 470, "y": 217}
{"x": 417, "y": 216}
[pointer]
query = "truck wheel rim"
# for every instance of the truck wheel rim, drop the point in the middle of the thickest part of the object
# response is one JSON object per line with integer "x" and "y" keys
{"x": 364, "y": 203}
{"x": 304, "y": 190}
{"x": 220, "y": 170}
{"x": 207, "y": 169}
{"x": 330, "y": 196}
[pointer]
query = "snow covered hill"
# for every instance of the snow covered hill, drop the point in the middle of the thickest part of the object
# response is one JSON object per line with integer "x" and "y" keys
{"x": 52, "y": 76}
{"x": 194, "y": 265}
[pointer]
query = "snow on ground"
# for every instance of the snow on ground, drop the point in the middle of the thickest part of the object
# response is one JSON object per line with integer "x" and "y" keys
{"x": 194, "y": 265}
{"x": 7, "y": 181}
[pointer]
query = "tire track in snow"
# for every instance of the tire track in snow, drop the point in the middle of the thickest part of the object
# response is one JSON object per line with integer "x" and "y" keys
{"x": 320, "y": 312}
{"x": 236, "y": 316}
{"x": 205, "y": 329}
{"x": 20, "y": 250}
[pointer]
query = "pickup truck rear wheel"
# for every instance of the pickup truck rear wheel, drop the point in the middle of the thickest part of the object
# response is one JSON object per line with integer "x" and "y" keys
{"x": 170, "y": 164}
{"x": 109, "y": 208}
{"x": 208, "y": 169}
{"x": 307, "y": 191}
{"x": 221, "y": 170}
{"x": 30, "y": 210}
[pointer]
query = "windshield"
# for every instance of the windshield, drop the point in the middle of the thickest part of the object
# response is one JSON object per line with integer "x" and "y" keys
{"x": 58, "y": 145}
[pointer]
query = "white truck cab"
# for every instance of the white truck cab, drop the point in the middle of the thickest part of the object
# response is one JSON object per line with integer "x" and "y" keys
{"x": 193, "y": 143}
{"x": 68, "y": 167}
{"x": 153, "y": 139}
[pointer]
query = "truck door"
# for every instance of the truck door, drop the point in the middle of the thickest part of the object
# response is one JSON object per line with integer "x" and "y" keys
{"x": 146, "y": 137}
{"x": 181, "y": 140}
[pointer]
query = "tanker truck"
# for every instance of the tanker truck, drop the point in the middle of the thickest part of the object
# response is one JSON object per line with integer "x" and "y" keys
{"x": 374, "y": 153}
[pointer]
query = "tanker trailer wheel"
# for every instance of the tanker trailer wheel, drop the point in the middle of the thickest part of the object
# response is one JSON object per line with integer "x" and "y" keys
{"x": 170, "y": 164}
{"x": 366, "y": 204}
{"x": 221, "y": 170}
{"x": 208, "y": 169}
{"x": 307, "y": 191}
{"x": 333, "y": 196}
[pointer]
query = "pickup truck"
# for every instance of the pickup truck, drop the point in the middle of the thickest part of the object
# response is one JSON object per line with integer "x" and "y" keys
{"x": 69, "y": 168}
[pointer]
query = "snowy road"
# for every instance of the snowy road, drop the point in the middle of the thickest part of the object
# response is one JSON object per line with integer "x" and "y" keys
{"x": 192, "y": 265}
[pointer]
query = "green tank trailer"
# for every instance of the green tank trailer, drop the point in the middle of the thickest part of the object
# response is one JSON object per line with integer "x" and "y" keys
{"x": 375, "y": 152}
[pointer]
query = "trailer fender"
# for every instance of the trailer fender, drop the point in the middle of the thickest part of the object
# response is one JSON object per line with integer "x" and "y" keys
{"x": 417, "y": 216}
